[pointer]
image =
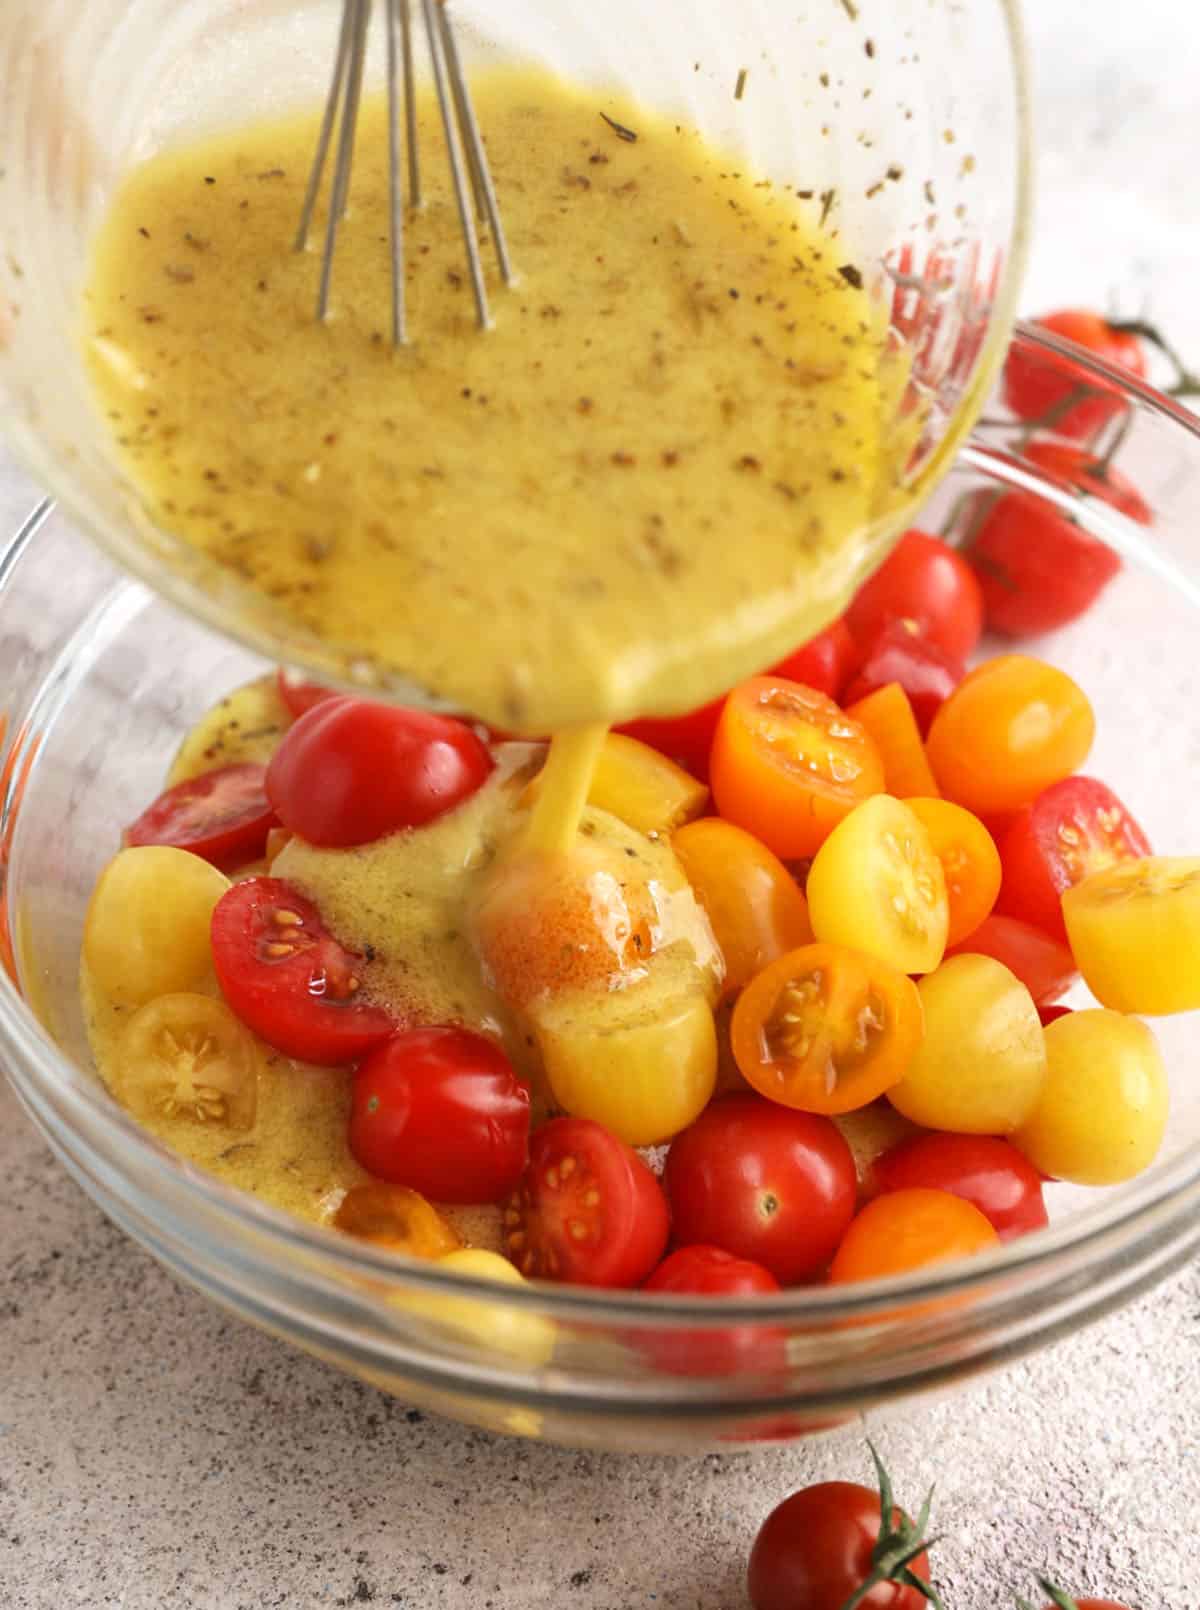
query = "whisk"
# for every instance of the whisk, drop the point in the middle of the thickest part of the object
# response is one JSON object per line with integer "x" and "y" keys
{"x": 474, "y": 192}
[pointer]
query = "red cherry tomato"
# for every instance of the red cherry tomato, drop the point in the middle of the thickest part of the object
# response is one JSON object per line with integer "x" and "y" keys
{"x": 925, "y": 582}
{"x": 441, "y": 1111}
{"x": 900, "y": 654}
{"x": 222, "y": 816}
{"x": 287, "y": 978}
{"x": 710, "y": 1272}
{"x": 763, "y": 1182}
{"x": 686, "y": 740}
{"x": 1048, "y": 1014}
{"x": 989, "y": 1173}
{"x": 1072, "y": 829}
{"x": 824, "y": 662}
{"x": 1045, "y": 967}
{"x": 351, "y": 771}
{"x": 1037, "y": 382}
{"x": 299, "y": 694}
{"x": 587, "y": 1209}
{"x": 815, "y": 1550}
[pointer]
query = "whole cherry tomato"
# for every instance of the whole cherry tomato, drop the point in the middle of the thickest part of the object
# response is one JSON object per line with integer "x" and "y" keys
{"x": 351, "y": 771}
{"x": 223, "y": 816}
{"x": 287, "y": 978}
{"x": 910, "y": 1229}
{"x": 299, "y": 694}
{"x": 1072, "y": 829}
{"x": 899, "y": 653}
{"x": 587, "y": 1209}
{"x": 1038, "y": 385}
{"x": 927, "y": 583}
{"x": 762, "y": 1182}
{"x": 441, "y": 1111}
{"x": 711, "y": 1272}
{"x": 988, "y": 1172}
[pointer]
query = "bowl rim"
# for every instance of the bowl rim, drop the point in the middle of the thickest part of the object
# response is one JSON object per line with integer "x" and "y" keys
{"x": 1165, "y": 1192}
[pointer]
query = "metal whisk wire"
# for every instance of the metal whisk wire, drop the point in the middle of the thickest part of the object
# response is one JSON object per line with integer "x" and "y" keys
{"x": 474, "y": 192}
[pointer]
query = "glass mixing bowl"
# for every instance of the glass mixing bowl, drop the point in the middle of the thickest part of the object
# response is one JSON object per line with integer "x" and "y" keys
{"x": 904, "y": 123}
{"x": 103, "y": 677}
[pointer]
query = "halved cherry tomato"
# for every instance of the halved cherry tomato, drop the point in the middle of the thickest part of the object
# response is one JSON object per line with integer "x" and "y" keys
{"x": 1046, "y": 968}
{"x": 149, "y": 924}
{"x": 764, "y": 1183}
{"x": 587, "y": 1210}
{"x": 187, "y": 1058}
{"x": 1015, "y": 726}
{"x": 1135, "y": 932}
{"x": 970, "y": 862}
{"x": 756, "y": 911}
{"x": 222, "y": 816}
{"x": 441, "y": 1111}
{"x": 299, "y": 694}
{"x": 288, "y": 979}
{"x": 926, "y": 672}
{"x": 787, "y": 764}
{"x": 702, "y": 1271}
{"x": 887, "y": 715}
{"x": 876, "y": 886}
{"x": 687, "y": 740}
{"x": 393, "y": 1216}
{"x": 907, "y": 1230}
{"x": 988, "y": 1172}
{"x": 351, "y": 771}
{"x": 1035, "y": 383}
{"x": 1072, "y": 829}
{"x": 824, "y": 662}
{"x": 928, "y": 583}
{"x": 825, "y": 1029}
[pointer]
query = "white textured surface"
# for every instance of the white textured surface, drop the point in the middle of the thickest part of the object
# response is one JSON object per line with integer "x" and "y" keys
{"x": 153, "y": 1453}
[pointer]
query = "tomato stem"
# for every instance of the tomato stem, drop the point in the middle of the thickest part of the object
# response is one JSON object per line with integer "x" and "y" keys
{"x": 1186, "y": 383}
{"x": 900, "y": 1542}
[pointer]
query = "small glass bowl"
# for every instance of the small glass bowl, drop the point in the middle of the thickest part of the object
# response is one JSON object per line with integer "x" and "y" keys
{"x": 103, "y": 678}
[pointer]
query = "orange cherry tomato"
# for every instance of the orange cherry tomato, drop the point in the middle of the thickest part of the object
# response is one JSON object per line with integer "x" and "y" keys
{"x": 788, "y": 765}
{"x": 907, "y": 1230}
{"x": 1010, "y": 729}
{"x": 826, "y": 1029}
{"x": 970, "y": 861}
{"x": 888, "y": 718}
{"x": 756, "y": 910}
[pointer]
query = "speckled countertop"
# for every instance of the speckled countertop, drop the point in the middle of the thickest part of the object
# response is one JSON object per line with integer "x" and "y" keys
{"x": 156, "y": 1454}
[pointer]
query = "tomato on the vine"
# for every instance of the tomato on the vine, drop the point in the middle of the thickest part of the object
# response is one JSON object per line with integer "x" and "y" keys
{"x": 899, "y": 653}
{"x": 1038, "y": 384}
{"x": 704, "y": 1271}
{"x": 927, "y": 583}
{"x": 441, "y": 1111}
{"x": 984, "y": 1170}
{"x": 223, "y": 816}
{"x": 287, "y": 978}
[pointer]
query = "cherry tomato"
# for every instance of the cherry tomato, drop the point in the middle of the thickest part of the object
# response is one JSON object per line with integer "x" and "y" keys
{"x": 441, "y": 1111}
{"x": 587, "y": 1210}
{"x": 1081, "y": 471}
{"x": 687, "y": 740}
{"x": 787, "y": 765}
{"x": 927, "y": 583}
{"x": 970, "y": 862}
{"x": 299, "y": 694}
{"x": 824, "y": 662}
{"x": 1064, "y": 1601}
{"x": 1072, "y": 829}
{"x": 926, "y": 672}
{"x": 887, "y": 717}
{"x": 1135, "y": 932}
{"x": 288, "y": 979}
{"x": 351, "y": 771}
{"x": 764, "y": 1183}
{"x": 876, "y": 886}
{"x": 988, "y": 1172}
{"x": 907, "y": 1230}
{"x": 393, "y": 1216}
{"x": 756, "y": 911}
{"x": 222, "y": 816}
{"x": 816, "y": 1550}
{"x": 825, "y": 1029}
{"x": 187, "y": 1058}
{"x": 1051, "y": 1014}
{"x": 1045, "y": 967}
{"x": 711, "y": 1272}
{"x": 1037, "y": 382}
{"x": 1015, "y": 726}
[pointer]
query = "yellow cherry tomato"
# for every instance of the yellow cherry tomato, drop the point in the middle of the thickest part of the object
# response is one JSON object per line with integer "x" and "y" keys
{"x": 753, "y": 903}
{"x": 887, "y": 716}
{"x": 147, "y": 926}
{"x": 1103, "y": 1108}
{"x": 393, "y": 1216}
{"x": 187, "y": 1058}
{"x": 641, "y": 1065}
{"x": 877, "y": 886}
{"x": 641, "y": 787}
{"x": 982, "y": 1063}
{"x": 484, "y": 1322}
{"x": 970, "y": 862}
{"x": 1011, "y": 728}
{"x": 1135, "y": 933}
{"x": 244, "y": 726}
